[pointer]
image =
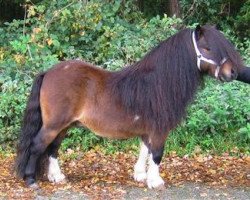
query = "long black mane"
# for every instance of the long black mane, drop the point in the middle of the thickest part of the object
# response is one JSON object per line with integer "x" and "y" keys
{"x": 159, "y": 87}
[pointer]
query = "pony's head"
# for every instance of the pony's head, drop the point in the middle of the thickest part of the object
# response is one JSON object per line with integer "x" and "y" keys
{"x": 216, "y": 56}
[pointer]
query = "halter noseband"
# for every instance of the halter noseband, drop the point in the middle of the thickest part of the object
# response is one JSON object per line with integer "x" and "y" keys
{"x": 200, "y": 58}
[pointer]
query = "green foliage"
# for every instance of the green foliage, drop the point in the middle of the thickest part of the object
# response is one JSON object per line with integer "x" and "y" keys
{"x": 82, "y": 138}
{"x": 218, "y": 120}
{"x": 111, "y": 34}
{"x": 231, "y": 14}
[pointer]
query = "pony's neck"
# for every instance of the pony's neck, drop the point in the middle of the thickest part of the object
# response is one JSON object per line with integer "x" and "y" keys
{"x": 160, "y": 86}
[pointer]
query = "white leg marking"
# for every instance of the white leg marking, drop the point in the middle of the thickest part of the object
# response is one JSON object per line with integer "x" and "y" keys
{"x": 140, "y": 166}
{"x": 54, "y": 173}
{"x": 153, "y": 177}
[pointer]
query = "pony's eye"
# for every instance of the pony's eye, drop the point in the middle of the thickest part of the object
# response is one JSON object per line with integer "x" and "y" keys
{"x": 206, "y": 48}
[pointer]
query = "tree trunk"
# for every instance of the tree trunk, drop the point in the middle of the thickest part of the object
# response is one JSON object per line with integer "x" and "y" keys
{"x": 10, "y": 10}
{"x": 140, "y": 4}
{"x": 173, "y": 8}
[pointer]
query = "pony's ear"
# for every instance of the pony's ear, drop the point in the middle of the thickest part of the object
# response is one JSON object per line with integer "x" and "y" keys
{"x": 217, "y": 27}
{"x": 198, "y": 32}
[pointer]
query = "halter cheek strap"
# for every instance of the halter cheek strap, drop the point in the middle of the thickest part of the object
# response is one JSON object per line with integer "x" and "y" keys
{"x": 200, "y": 58}
{"x": 217, "y": 70}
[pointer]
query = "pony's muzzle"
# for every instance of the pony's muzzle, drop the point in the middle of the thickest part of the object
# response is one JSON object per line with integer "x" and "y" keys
{"x": 228, "y": 75}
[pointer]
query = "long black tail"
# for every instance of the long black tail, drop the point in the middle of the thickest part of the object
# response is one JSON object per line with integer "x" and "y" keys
{"x": 32, "y": 123}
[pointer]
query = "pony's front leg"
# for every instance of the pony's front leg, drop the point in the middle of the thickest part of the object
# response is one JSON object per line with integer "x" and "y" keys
{"x": 156, "y": 146}
{"x": 153, "y": 175}
{"x": 140, "y": 166}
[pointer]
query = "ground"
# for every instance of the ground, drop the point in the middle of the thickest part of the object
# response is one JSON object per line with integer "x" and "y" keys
{"x": 94, "y": 175}
{"x": 186, "y": 191}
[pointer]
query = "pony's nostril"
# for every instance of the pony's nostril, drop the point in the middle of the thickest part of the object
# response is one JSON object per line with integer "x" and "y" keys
{"x": 233, "y": 74}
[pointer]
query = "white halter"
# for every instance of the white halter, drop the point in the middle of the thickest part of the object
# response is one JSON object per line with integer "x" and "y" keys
{"x": 200, "y": 58}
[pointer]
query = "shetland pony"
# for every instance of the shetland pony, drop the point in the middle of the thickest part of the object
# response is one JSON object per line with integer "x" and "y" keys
{"x": 147, "y": 100}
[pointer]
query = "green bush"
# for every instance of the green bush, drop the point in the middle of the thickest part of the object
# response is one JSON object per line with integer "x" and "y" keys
{"x": 112, "y": 35}
{"x": 230, "y": 14}
{"x": 218, "y": 119}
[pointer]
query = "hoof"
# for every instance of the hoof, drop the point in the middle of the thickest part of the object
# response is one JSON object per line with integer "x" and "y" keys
{"x": 34, "y": 186}
{"x": 57, "y": 178}
{"x": 156, "y": 183}
{"x": 140, "y": 176}
{"x": 31, "y": 183}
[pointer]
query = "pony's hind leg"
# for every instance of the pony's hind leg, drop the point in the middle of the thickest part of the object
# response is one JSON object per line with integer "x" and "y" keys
{"x": 55, "y": 174}
{"x": 39, "y": 144}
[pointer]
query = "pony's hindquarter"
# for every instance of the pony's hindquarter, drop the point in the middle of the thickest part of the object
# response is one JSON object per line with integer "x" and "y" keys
{"x": 32, "y": 122}
{"x": 51, "y": 108}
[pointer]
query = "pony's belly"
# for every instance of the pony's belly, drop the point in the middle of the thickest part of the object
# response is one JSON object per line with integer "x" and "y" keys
{"x": 114, "y": 127}
{"x": 114, "y": 135}
{"x": 109, "y": 130}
